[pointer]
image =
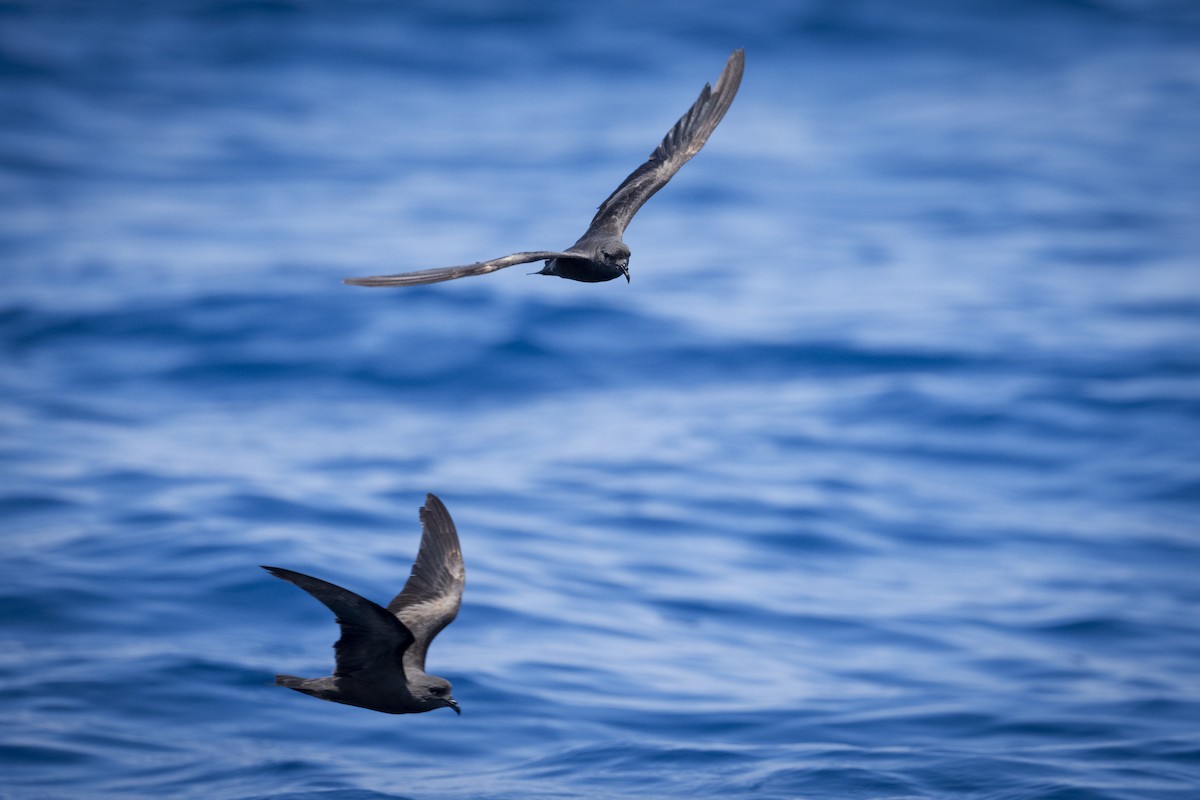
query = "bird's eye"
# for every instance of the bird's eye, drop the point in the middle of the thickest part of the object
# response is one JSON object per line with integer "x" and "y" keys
{"x": 438, "y": 690}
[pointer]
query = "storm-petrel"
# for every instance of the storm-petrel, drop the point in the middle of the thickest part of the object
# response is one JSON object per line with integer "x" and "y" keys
{"x": 381, "y": 653}
{"x": 600, "y": 254}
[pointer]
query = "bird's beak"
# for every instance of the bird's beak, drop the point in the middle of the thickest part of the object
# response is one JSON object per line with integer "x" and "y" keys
{"x": 452, "y": 704}
{"x": 625, "y": 269}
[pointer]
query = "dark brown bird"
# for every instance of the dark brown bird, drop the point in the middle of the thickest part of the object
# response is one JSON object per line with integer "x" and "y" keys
{"x": 381, "y": 653}
{"x": 601, "y": 254}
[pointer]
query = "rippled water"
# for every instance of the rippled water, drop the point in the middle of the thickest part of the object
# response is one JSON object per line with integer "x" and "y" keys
{"x": 879, "y": 480}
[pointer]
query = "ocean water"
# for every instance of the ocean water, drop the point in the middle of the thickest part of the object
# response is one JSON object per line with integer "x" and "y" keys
{"x": 879, "y": 480}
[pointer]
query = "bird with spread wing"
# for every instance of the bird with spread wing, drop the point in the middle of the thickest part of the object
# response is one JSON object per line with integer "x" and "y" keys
{"x": 380, "y": 657}
{"x": 601, "y": 253}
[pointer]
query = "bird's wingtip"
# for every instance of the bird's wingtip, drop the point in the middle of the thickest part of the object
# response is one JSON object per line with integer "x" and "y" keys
{"x": 281, "y": 573}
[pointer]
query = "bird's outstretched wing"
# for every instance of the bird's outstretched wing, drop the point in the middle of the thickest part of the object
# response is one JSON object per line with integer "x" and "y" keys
{"x": 431, "y": 597}
{"x": 681, "y": 143}
{"x": 372, "y": 639}
{"x": 450, "y": 273}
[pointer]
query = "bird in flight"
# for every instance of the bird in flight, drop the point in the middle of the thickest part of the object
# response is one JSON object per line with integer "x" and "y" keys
{"x": 381, "y": 653}
{"x": 601, "y": 254}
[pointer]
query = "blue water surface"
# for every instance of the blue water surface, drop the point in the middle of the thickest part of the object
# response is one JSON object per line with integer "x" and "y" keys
{"x": 879, "y": 480}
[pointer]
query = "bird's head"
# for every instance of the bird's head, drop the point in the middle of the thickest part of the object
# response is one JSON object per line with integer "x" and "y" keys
{"x": 617, "y": 255}
{"x": 433, "y": 692}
